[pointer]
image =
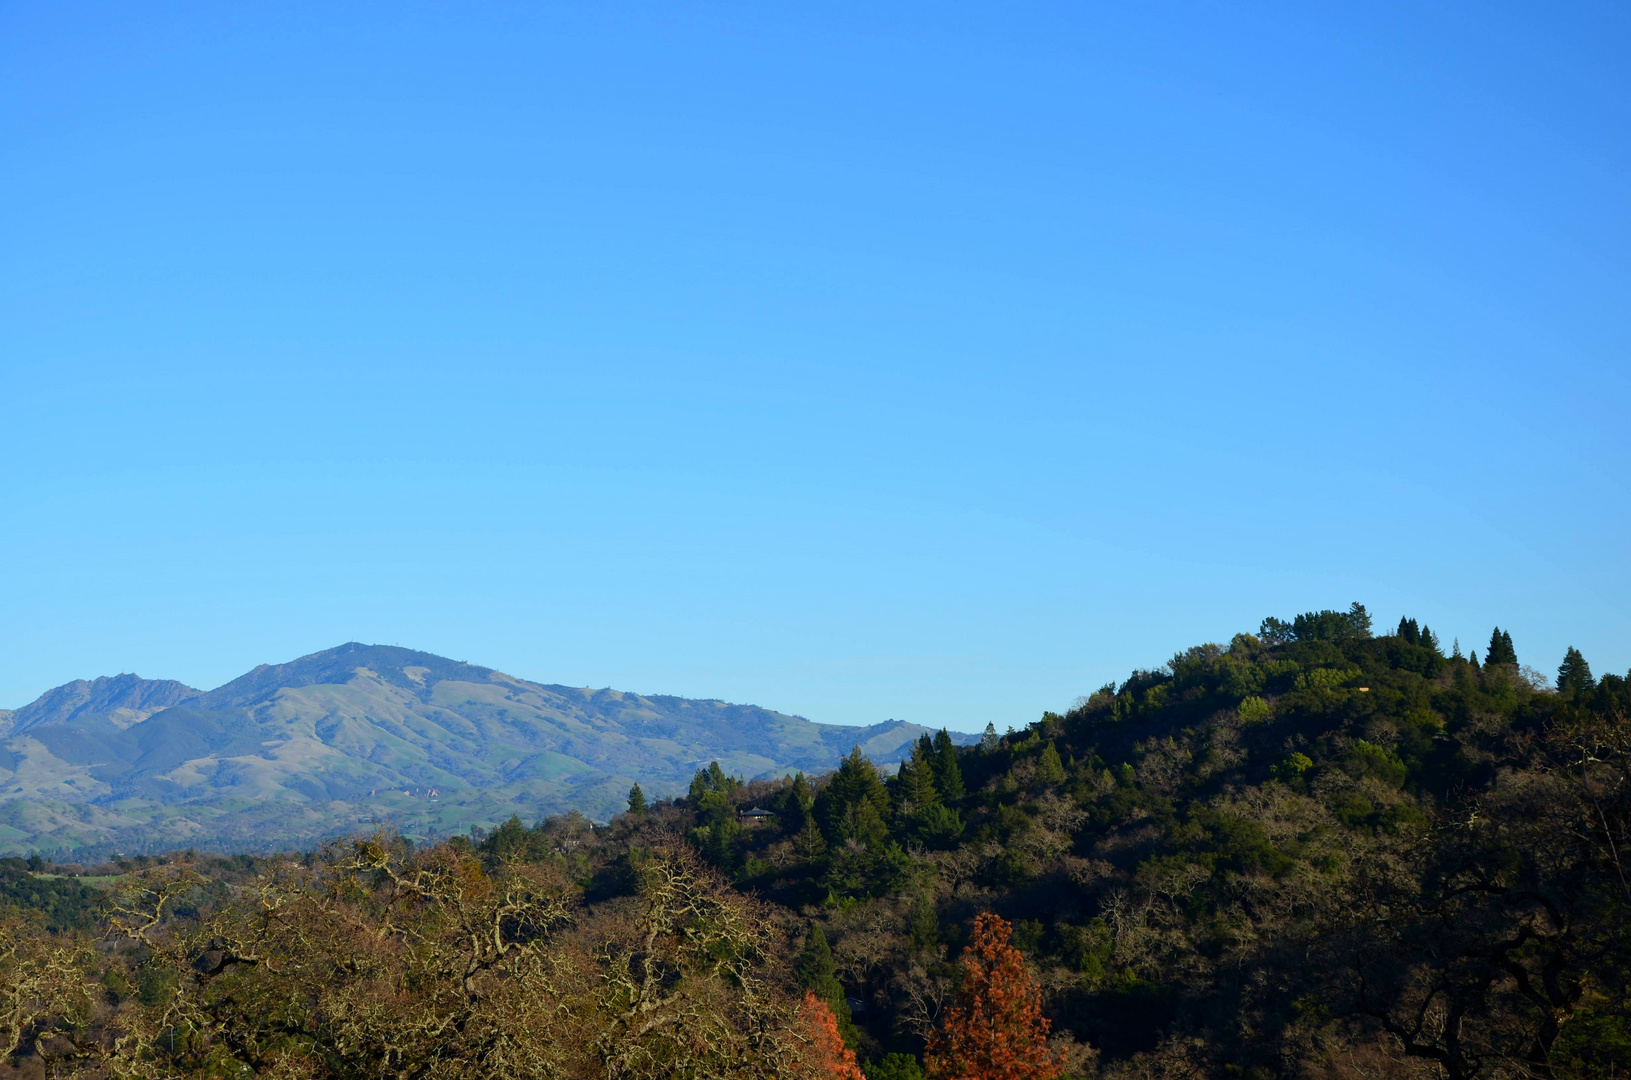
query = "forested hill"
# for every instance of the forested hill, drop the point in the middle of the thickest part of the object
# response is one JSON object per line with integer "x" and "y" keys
{"x": 1315, "y": 850}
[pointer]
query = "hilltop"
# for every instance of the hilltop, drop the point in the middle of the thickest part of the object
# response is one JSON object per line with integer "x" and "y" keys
{"x": 361, "y": 734}
{"x": 1314, "y": 853}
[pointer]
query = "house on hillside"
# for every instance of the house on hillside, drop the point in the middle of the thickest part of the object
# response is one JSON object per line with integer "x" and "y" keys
{"x": 755, "y": 816}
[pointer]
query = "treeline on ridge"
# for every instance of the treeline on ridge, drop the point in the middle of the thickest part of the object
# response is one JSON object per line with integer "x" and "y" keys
{"x": 1317, "y": 851}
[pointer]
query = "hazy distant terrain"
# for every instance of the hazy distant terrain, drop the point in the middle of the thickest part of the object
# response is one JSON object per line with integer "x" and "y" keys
{"x": 337, "y": 740}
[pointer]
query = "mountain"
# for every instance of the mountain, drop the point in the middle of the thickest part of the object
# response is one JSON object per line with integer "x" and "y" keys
{"x": 359, "y": 734}
{"x": 123, "y": 699}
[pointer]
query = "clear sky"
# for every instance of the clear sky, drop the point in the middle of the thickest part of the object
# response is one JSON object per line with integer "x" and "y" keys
{"x": 939, "y": 362}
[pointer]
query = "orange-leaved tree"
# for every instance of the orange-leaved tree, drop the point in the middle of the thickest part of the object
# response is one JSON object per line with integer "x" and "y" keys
{"x": 826, "y": 1057}
{"x": 996, "y": 1030}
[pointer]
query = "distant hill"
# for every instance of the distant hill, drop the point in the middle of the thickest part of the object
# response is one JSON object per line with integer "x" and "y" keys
{"x": 358, "y": 734}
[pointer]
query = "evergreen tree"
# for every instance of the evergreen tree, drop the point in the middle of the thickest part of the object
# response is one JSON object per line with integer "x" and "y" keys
{"x": 915, "y": 787}
{"x": 1574, "y": 674}
{"x": 637, "y": 800}
{"x": 947, "y": 773}
{"x": 509, "y": 841}
{"x": 1500, "y": 649}
{"x": 795, "y": 805}
{"x": 1050, "y": 770}
{"x": 989, "y": 741}
{"x": 1408, "y": 631}
{"x": 854, "y": 804}
{"x": 814, "y": 970}
{"x": 809, "y": 845}
{"x": 923, "y": 925}
{"x": 1455, "y": 653}
{"x": 895, "y": 1066}
{"x": 1472, "y": 658}
{"x": 1429, "y": 639}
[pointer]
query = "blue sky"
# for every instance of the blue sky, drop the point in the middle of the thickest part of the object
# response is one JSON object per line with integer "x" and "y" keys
{"x": 937, "y": 362}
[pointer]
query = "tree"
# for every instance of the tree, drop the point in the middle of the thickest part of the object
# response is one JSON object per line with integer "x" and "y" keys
{"x": 922, "y": 925}
{"x": 509, "y": 841}
{"x": 895, "y": 1067}
{"x": 996, "y": 1030}
{"x": 947, "y": 773}
{"x": 637, "y": 800}
{"x": 1049, "y": 768}
{"x": 818, "y": 974}
{"x": 1500, "y": 649}
{"x": 826, "y": 1058}
{"x": 1409, "y": 630}
{"x": 915, "y": 787}
{"x": 1574, "y": 674}
{"x": 854, "y": 805}
{"x": 815, "y": 970}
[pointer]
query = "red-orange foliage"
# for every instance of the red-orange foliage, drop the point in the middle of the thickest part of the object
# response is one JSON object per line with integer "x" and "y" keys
{"x": 996, "y": 1031}
{"x": 827, "y": 1058}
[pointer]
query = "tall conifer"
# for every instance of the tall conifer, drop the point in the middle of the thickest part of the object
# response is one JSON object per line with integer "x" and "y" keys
{"x": 946, "y": 770}
{"x": 1574, "y": 674}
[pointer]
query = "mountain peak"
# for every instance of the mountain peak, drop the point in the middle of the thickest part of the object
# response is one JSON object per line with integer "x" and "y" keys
{"x": 127, "y": 697}
{"x": 409, "y": 669}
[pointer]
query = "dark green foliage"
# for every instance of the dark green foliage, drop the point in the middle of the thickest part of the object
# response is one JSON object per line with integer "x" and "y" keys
{"x": 895, "y": 1066}
{"x": 1050, "y": 770}
{"x": 854, "y": 805}
{"x": 718, "y": 831}
{"x": 510, "y": 840}
{"x": 66, "y": 903}
{"x": 1500, "y": 649}
{"x": 1574, "y": 674}
{"x": 923, "y": 925}
{"x": 637, "y": 800}
{"x": 1351, "y": 625}
{"x": 814, "y": 969}
{"x": 948, "y": 774}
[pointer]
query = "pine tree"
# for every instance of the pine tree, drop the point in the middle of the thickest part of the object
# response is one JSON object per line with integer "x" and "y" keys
{"x": 814, "y": 970}
{"x": 637, "y": 800}
{"x": 1500, "y": 649}
{"x": 948, "y": 774}
{"x": 989, "y": 741}
{"x": 1429, "y": 639}
{"x": 1472, "y": 658}
{"x": 1359, "y": 620}
{"x": 996, "y": 1030}
{"x": 1050, "y": 770}
{"x": 795, "y": 806}
{"x": 809, "y": 845}
{"x": 838, "y": 807}
{"x": 1574, "y": 674}
{"x": 915, "y": 787}
{"x": 1408, "y": 631}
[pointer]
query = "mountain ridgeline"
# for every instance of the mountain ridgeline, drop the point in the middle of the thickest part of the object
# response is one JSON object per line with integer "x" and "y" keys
{"x": 361, "y": 735}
